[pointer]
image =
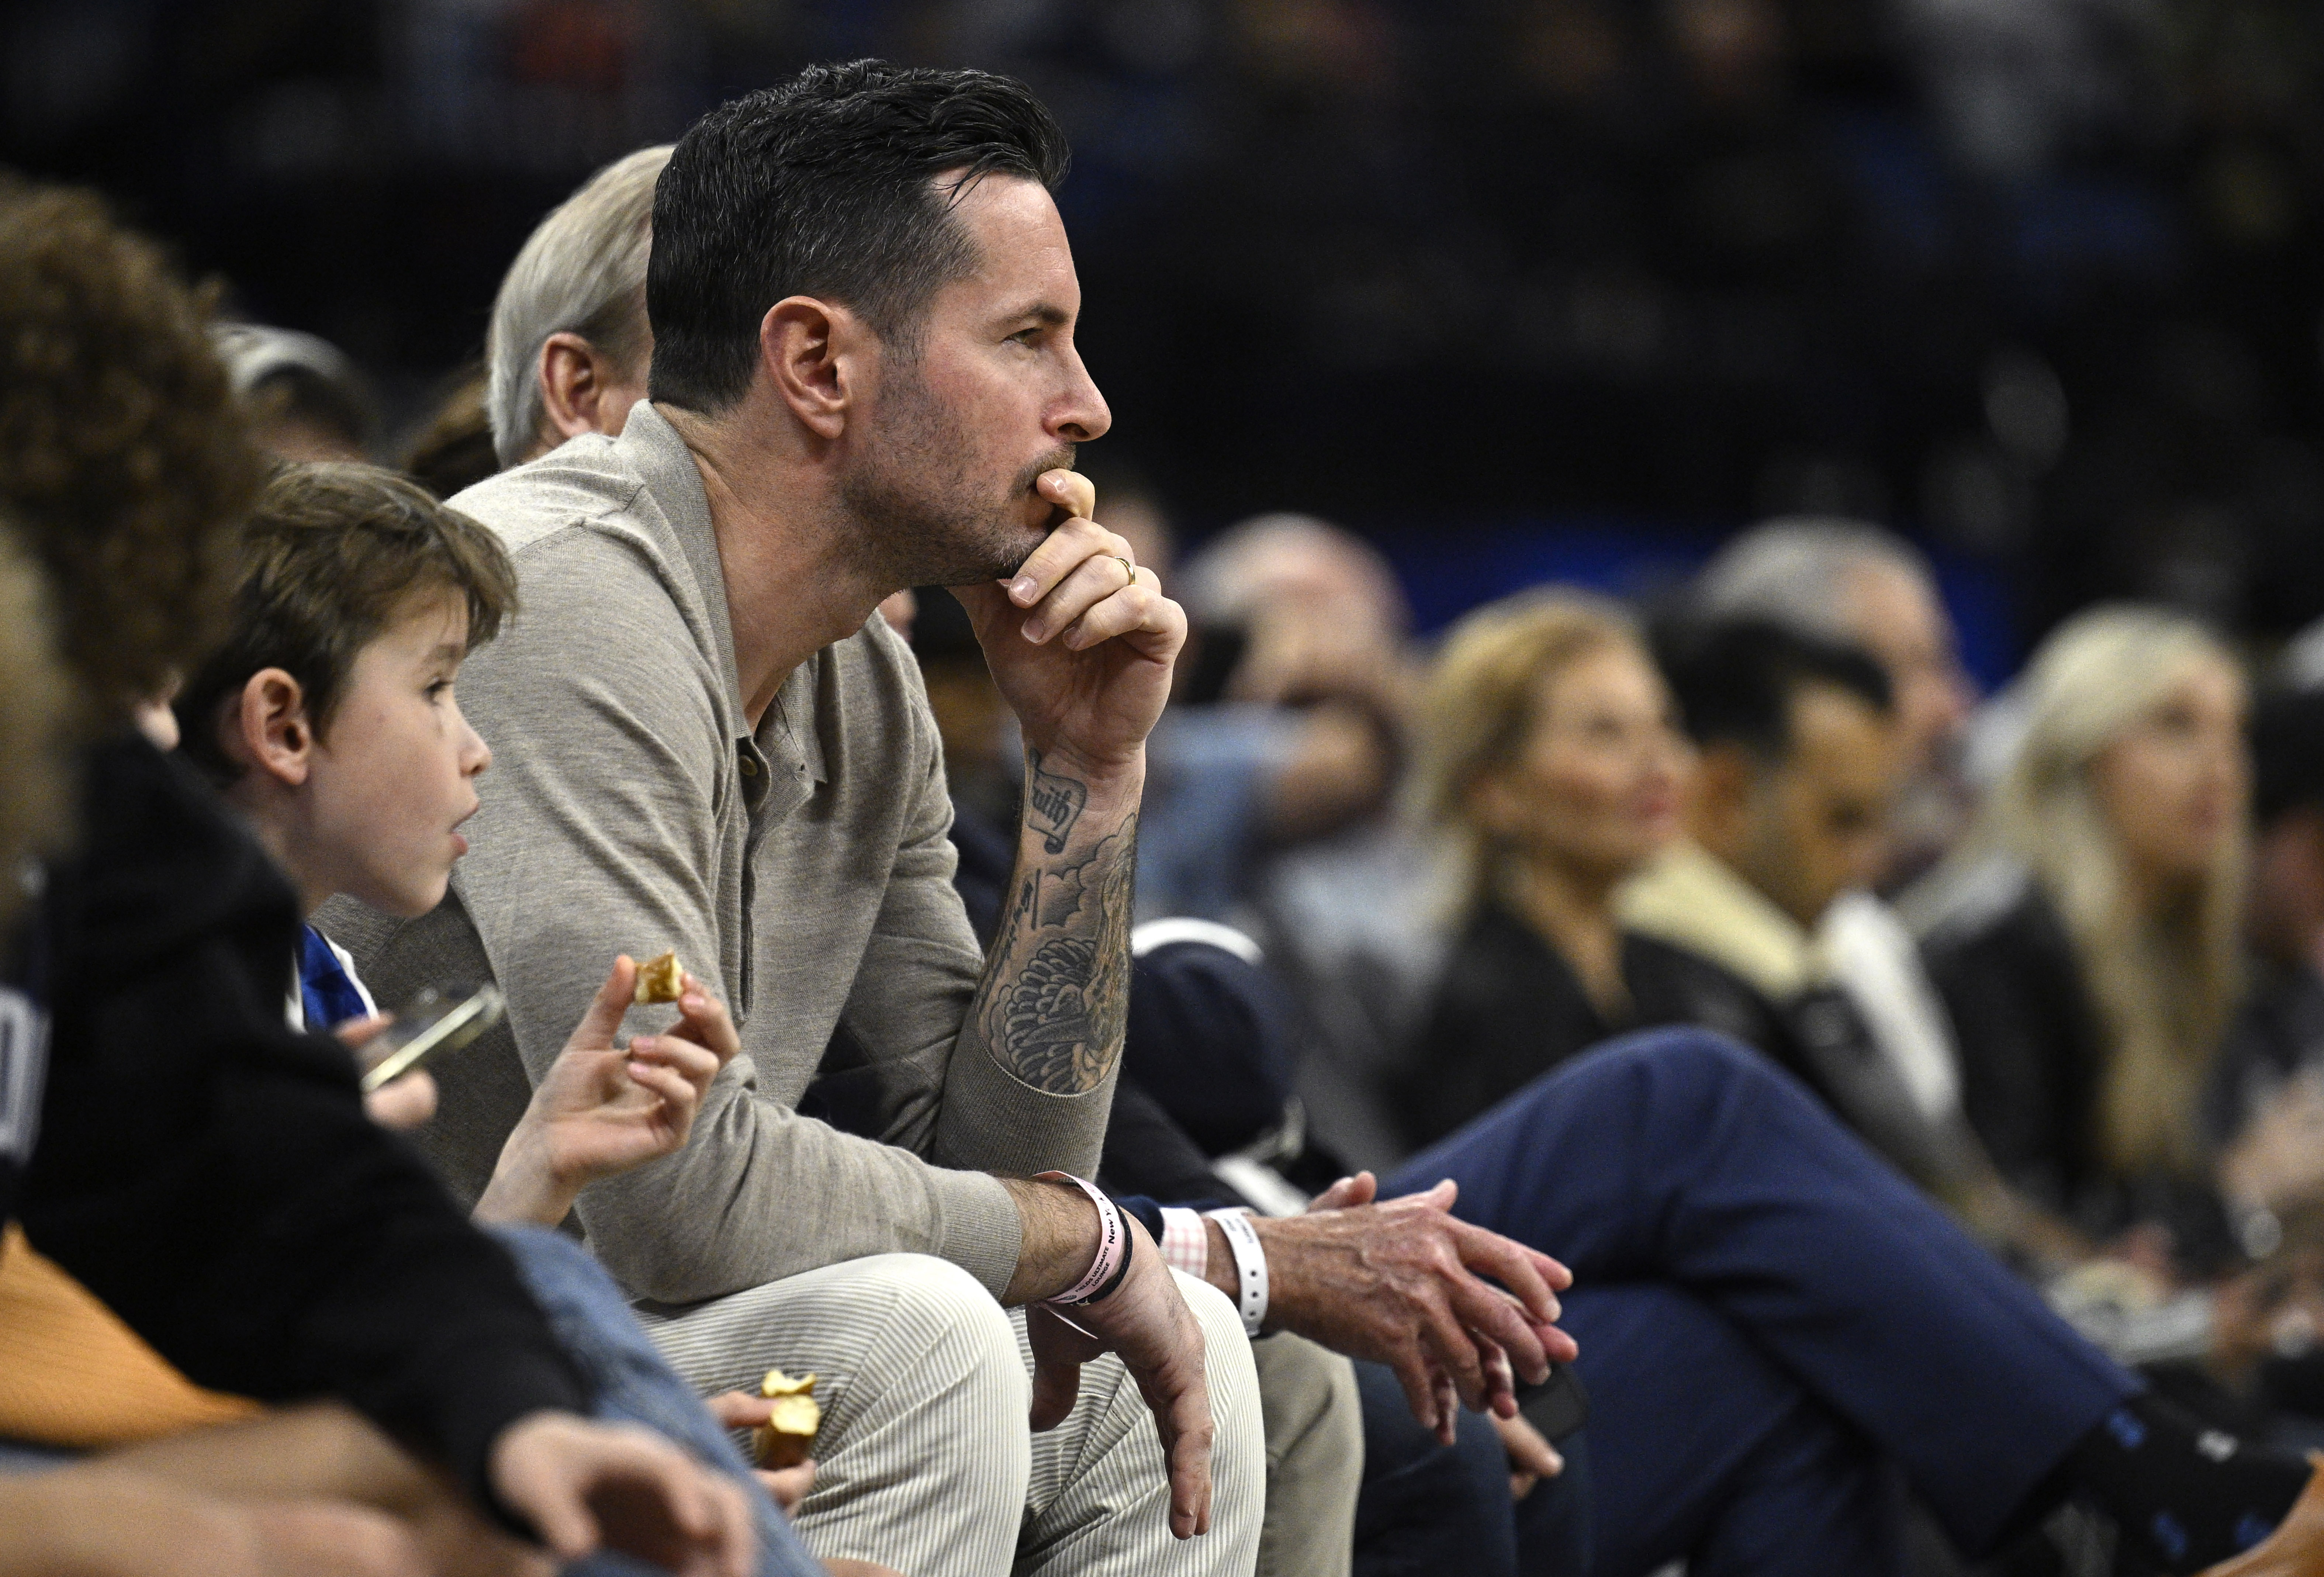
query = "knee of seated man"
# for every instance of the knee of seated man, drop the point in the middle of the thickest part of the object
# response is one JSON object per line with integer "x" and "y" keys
{"x": 1687, "y": 1057}
{"x": 933, "y": 1312}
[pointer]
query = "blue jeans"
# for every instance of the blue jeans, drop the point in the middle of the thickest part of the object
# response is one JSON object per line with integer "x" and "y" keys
{"x": 593, "y": 1321}
{"x": 1773, "y": 1323}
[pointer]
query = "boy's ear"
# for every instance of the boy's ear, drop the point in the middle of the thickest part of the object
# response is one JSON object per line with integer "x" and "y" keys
{"x": 270, "y": 732}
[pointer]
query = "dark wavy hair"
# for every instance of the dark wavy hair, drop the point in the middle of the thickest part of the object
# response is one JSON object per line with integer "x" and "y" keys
{"x": 124, "y": 461}
{"x": 825, "y": 186}
{"x": 35, "y": 736}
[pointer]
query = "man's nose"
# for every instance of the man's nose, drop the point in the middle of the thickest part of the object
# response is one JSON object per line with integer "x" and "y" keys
{"x": 1083, "y": 415}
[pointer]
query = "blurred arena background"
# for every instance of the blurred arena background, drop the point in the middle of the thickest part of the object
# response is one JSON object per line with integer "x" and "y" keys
{"x": 1517, "y": 288}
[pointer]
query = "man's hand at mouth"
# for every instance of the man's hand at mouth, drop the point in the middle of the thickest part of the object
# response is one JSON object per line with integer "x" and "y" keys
{"x": 1081, "y": 640}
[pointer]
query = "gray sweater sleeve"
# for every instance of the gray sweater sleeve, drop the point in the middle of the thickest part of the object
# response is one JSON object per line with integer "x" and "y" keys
{"x": 599, "y": 836}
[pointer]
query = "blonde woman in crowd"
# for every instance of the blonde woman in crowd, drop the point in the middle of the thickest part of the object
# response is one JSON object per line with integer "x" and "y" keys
{"x": 1745, "y": 1273}
{"x": 1552, "y": 766}
{"x": 2085, "y": 935}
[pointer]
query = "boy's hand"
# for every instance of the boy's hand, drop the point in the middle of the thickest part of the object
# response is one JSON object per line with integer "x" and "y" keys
{"x": 600, "y": 1110}
{"x": 587, "y": 1486}
{"x": 402, "y": 1105}
{"x": 742, "y": 1410}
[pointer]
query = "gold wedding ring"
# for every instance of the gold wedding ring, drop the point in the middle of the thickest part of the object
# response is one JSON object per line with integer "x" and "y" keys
{"x": 1128, "y": 568}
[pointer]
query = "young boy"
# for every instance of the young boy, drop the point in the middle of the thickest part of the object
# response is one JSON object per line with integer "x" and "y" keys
{"x": 328, "y": 718}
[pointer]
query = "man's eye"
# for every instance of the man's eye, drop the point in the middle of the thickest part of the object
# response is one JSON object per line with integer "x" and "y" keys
{"x": 439, "y": 688}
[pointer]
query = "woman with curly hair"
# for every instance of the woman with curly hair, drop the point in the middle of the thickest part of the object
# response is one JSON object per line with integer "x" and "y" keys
{"x": 123, "y": 457}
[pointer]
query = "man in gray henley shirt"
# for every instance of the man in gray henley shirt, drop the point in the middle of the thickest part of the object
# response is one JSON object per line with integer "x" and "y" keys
{"x": 863, "y": 378}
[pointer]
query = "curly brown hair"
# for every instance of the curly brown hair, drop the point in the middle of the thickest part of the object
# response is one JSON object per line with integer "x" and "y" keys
{"x": 33, "y": 809}
{"x": 124, "y": 458}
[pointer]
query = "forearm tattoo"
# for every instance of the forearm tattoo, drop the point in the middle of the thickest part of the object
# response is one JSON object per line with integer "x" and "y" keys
{"x": 1053, "y": 804}
{"x": 1055, "y": 997}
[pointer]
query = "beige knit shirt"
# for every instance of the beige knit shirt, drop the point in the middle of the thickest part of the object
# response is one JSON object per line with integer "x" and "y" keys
{"x": 803, "y": 871}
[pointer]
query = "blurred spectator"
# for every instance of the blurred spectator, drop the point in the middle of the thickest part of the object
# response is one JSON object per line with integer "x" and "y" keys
{"x": 1851, "y": 581}
{"x": 2085, "y": 935}
{"x": 1287, "y": 724}
{"x": 1551, "y": 765}
{"x": 1799, "y": 758}
{"x": 570, "y": 346}
{"x": 2265, "y": 1110}
{"x": 307, "y": 400}
{"x": 455, "y": 449}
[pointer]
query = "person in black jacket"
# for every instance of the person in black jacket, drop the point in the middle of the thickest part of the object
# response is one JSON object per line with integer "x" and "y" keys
{"x": 203, "y": 1169}
{"x": 1541, "y": 967}
{"x": 2266, "y": 1096}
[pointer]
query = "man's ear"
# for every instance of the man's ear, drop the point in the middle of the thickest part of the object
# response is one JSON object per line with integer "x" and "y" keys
{"x": 271, "y": 732}
{"x": 573, "y": 375}
{"x": 811, "y": 352}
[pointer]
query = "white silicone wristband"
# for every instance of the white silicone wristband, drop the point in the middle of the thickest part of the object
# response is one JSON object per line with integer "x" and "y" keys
{"x": 1250, "y": 1265}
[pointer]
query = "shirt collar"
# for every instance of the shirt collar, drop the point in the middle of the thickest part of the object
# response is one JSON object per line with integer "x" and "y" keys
{"x": 653, "y": 449}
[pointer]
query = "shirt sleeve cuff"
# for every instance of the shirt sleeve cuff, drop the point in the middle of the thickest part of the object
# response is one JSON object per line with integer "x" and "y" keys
{"x": 982, "y": 1232}
{"x": 1185, "y": 1242}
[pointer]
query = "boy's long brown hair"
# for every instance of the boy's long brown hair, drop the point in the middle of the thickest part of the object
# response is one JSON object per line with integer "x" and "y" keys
{"x": 331, "y": 556}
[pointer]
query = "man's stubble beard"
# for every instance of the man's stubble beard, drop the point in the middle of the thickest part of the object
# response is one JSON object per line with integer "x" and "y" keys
{"x": 923, "y": 518}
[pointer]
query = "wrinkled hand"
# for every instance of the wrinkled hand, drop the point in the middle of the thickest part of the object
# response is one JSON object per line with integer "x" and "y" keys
{"x": 587, "y": 1486}
{"x": 402, "y": 1105}
{"x": 742, "y": 1410}
{"x": 1080, "y": 644}
{"x": 600, "y": 1110}
{"x": 1148, "y": 1323}
{"x": 1400, "y": 1284}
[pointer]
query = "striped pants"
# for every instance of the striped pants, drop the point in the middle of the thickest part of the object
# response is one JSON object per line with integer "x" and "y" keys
{"x": 925, "y": 1462}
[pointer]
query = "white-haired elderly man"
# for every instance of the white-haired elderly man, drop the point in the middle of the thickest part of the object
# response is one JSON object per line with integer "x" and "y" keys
{"x": 570, "y": 346}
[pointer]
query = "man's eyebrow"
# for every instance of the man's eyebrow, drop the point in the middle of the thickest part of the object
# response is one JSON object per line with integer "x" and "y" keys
{"x": 449, "y": 652}
{"x": 1047, "y": 314}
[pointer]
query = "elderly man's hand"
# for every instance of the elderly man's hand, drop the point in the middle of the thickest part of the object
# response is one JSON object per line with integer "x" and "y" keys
{"x": 1081, "y": 641}
{"x": 1401, "y": 1284}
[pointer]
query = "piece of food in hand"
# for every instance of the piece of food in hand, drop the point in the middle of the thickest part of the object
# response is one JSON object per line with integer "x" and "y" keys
{"x": 660, "y": 980}
{"x": 784, "y": 1440}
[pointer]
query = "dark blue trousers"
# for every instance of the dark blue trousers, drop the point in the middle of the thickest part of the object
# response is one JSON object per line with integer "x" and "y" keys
{"x": 1773, "y": 1324}
{"x": 1428, "y": 1509}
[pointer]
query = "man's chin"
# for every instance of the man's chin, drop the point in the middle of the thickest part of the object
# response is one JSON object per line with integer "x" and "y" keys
{"x": 1005, "y": 552}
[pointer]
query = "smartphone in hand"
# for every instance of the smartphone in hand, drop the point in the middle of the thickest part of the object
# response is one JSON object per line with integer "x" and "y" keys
{"x": 428, "y": 1025}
